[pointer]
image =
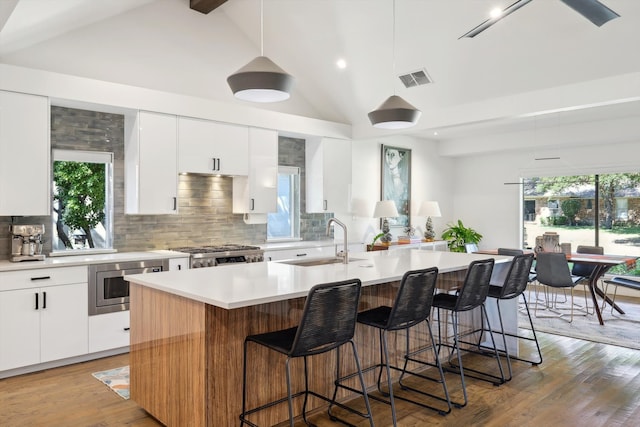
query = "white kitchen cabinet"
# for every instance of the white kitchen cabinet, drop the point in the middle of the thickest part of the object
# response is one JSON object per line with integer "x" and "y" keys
{"x": 328, "y": 175}
{"x": 151, "y": 168}
{"x": 176, "y": 264}
{"x": 257, "y": 192}
{"x": 43, "y": 315}
{"x": 210, "y": 147}
{"x": 109, "y": 331}
{"x": 25, "y": 184}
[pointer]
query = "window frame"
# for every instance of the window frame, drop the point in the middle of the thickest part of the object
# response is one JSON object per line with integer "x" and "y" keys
{"x": 294, "y": 217}
{"x": 82, "y": 156}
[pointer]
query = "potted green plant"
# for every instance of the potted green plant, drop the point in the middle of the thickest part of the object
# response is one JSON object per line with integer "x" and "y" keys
{"x": 457, "y": 235}
{"x": 375, "y": 239}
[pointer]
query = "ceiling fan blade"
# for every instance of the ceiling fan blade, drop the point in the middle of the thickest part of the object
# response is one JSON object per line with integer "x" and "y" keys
{"x": 489, "y": 22}
{"x": 593, "y": 10}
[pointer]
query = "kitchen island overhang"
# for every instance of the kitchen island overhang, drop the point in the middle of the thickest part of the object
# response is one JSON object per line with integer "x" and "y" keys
{"x": 188, "y": 329}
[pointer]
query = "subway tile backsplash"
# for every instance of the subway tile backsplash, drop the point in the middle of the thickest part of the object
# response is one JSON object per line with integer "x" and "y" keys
{"x": 204, "y": 202}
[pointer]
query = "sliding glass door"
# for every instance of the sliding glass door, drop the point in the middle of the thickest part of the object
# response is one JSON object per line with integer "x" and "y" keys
{"x": 593, "y": 210}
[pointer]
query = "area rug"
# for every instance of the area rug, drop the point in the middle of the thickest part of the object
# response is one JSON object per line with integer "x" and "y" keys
{"x": 618, "y": 329}
{"x": 116, "y": 379}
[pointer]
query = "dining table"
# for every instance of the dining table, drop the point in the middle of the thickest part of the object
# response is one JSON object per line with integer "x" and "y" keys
{"x": 601, "y": 263}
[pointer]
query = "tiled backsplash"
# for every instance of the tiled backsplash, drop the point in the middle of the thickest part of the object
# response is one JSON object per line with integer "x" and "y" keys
{"x": 204, "y": 202}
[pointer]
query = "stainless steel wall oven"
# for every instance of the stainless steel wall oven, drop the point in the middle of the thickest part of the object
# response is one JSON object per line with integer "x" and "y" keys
{"x": 108, "y": 291}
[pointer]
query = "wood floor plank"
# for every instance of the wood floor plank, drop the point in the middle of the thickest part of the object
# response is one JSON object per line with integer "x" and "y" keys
{"x": 579, "y": 383}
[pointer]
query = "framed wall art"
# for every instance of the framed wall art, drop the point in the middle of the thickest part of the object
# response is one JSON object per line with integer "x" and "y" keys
{"x": 396, "y": 182}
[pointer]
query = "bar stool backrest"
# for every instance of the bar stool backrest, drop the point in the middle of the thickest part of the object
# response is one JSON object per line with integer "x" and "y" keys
{"x": 518, "y": 276}
{"x": 476, "y": 285}
{"x": 585, "y": 270}
{"x": 413, "y": 303}
{"x": 328, "y": 318}
{"x": 553, "y": 270}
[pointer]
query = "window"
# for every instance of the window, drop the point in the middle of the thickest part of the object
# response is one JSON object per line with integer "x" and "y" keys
{"x": 600, "y": 210}
{"x": 82, "y": 200}
{"x": 285, "y": 223}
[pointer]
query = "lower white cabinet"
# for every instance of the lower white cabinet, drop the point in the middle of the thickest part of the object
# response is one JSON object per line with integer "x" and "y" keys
{"x": 108, "y": 331}
{"x": 42, "y": 318}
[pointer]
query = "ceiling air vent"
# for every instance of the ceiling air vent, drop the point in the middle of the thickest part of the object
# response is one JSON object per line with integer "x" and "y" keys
{"x": 415, "y": 78}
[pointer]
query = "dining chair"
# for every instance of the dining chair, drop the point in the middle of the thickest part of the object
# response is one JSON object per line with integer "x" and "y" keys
{"x": 625, "y": 282}
{"x": 585, "y": 270}
{"x": 553, "y": 271}
{"x": 328, "y": 322}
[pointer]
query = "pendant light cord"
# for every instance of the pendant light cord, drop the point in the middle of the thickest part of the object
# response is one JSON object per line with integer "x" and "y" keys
{"x": 262, "y": 27}
{"x": 393, "y": 48}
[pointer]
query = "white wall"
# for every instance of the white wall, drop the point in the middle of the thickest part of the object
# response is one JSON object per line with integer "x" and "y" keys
{"x": 430, "y": 180}
{"x": 483, "y": 201}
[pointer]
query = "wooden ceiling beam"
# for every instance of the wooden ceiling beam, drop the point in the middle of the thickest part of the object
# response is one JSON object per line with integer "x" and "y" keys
{"x": 205, "y": 6}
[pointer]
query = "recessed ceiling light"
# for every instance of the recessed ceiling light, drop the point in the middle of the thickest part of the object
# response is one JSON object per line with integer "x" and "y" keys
{"x": 341, "y": 63}
{"x": 495, "y": 12}
{"x": 435, "y": 133}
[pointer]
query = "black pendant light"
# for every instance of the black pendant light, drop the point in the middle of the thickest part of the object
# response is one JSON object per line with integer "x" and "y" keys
{"x": 395, "y": 112}
{"x": 261, "y": 80}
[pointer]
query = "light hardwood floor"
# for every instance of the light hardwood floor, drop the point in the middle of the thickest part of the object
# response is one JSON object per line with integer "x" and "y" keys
{"x": 579, "y": 383}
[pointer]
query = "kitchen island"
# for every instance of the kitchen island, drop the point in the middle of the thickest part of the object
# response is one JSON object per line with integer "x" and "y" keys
{"x": 188, "y": 329}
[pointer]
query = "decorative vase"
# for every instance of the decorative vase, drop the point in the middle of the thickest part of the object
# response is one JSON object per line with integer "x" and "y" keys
{"x": 429, "y": 234}
{"x": 386, "y": 230}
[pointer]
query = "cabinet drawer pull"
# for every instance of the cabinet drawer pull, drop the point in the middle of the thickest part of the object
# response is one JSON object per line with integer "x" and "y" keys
{"x": 301, "y": 254}
{"x": 324, "y": 205}
{"x": 175, "y": 203}
{"x": 37, "y": 301}
{"x": 40, "y": 278}
{"x": 44, "y": 300}
{"x": 252, "y": 204}
{"x": 127, "y": 329}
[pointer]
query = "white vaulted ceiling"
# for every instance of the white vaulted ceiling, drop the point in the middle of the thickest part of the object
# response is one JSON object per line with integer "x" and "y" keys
{"x": 544, "y": 65}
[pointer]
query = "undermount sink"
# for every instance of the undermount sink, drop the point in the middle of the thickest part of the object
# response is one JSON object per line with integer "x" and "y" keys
{"x": 317, "y": 261}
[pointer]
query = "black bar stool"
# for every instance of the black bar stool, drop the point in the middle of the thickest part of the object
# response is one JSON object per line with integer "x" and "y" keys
{"x": 411, "y": 307}
{"x": 515, "y": 283}
{"x": 328, "y": 322}
{"x": 473, "y": 293}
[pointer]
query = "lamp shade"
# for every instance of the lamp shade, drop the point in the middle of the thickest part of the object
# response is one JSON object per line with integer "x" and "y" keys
{"x": 394, "y": 113}
{"x": 385, "y": 209}
{"x": 261, "y": 80}
{"x": 429, "y": 208}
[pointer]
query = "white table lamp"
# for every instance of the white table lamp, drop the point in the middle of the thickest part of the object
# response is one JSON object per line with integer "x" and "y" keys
{"x": 385, "y": 209}
{"x": 429, "y": 209}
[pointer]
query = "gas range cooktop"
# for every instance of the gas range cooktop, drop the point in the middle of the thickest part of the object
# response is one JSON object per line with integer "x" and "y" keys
{"x": 215, "y": 249}
{"x": 212, "y": 256}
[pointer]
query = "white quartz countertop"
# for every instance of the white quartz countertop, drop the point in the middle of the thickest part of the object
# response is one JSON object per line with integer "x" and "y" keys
{"x": 86, "y": 259}
{"x": 242, "y": 285}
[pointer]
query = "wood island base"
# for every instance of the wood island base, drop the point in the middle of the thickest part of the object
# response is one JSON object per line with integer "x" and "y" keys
{"x": 186, "y": 356}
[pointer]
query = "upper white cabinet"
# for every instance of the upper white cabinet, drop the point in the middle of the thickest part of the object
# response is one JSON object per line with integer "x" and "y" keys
{"x": 151, "y": 170}
{"x": 25, "y": 183}
{"x": 257, "y": 192}
{"x": 210, "y": 147}
{"x": 328, "y": 175}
